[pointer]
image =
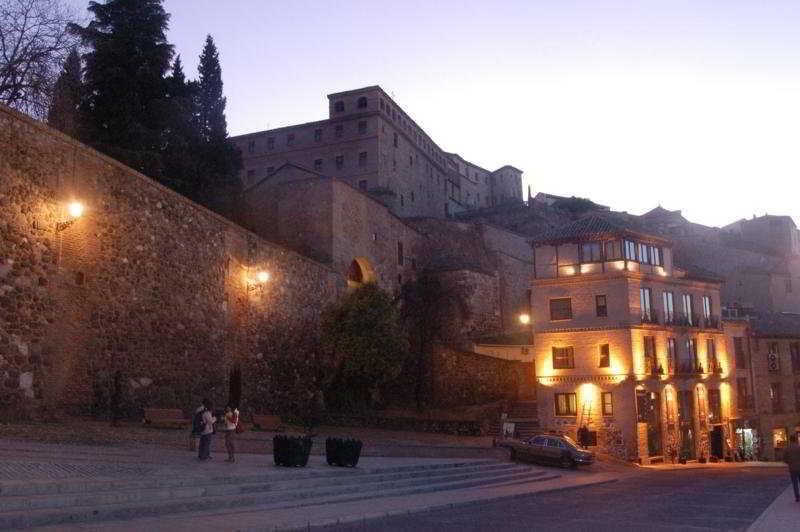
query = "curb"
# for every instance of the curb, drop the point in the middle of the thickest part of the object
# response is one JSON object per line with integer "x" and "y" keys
{"x": 378, "y": 515}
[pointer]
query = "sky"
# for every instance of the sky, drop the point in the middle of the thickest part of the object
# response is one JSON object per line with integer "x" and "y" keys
{"x": 691, "y": 105}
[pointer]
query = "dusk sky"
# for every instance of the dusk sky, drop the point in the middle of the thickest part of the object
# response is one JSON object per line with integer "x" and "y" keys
{"x": 694, "y": 105}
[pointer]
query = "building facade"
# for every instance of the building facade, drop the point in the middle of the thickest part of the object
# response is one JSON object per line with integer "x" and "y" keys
{"x": 629, "y": 346}
{"x": 372, "y": 143}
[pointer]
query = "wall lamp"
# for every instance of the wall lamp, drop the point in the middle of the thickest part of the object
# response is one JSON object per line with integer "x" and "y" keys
{"x": 258, "y": 282}
{"x": 524, "y": 319}
{"x": 75, "y": 211}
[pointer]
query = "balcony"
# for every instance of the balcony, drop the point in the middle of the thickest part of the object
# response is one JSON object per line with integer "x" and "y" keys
{"x": 687, "y": 320}
{"x": 689, "y": 370}
{"x": 650, "y": 317}
{"x": 712, "y": 322}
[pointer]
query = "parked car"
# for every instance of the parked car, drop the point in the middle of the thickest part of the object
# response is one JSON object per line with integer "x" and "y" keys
{"x": 551, "y": 449}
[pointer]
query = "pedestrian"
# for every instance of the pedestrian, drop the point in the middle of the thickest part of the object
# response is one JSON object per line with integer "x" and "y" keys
{"x": 208, "y": 431}
{"x": 231, "y": 426}
{"x": 791, "y": 455}
{"x": 197, "y": 427}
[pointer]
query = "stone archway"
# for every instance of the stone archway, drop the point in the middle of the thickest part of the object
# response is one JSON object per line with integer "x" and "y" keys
{"x": 360, "y": 272}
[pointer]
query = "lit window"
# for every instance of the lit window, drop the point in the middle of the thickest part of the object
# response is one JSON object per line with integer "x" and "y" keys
{"x": 601, "y": 306}
{"x": 566, "y": 404}
{"x": 605, "y": 356}
{"x": 563, "y": 358}
{"x": 608, "y": 403}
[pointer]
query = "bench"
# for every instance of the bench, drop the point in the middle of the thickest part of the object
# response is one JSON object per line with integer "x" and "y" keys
{"x": 267, "y": 422}
{"x": 165, "y": 417}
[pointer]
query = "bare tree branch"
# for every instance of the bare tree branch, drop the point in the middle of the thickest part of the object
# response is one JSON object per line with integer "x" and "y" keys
{"x": 34, "y": 42}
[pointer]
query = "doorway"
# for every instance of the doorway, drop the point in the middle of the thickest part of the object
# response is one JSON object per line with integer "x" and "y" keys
{"x": 717, "y": 438}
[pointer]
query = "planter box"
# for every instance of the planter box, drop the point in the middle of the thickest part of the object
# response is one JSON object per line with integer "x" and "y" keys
{"x": 291, "y": 451}
{"x": 342, "y": 452}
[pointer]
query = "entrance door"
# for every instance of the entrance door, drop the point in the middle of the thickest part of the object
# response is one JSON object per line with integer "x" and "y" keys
{"x": 235, "y": 386}
{"x": 717, "y": 437}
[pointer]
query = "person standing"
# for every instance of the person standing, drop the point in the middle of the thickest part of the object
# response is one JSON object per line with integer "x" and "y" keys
{"x": 208, "y": 431}
{"x": 197, "y": 427}
{"x": 791, "y": 455}
{"x": 231, "y": 425}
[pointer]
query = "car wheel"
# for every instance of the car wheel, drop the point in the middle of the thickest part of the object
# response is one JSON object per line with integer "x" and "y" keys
{"x": 567, "y": 462}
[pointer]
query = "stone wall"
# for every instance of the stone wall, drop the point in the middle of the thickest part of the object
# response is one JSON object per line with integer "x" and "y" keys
{"x": 146, "y": 285}
{"x": 464, "y": 378}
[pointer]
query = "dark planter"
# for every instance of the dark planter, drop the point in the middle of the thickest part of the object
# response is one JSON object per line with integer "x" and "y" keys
{"x": 342, "y": 452}
{"x": 291, "y": 451}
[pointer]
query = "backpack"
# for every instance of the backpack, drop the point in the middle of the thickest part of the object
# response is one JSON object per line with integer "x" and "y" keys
{"x": 197, "y": 422}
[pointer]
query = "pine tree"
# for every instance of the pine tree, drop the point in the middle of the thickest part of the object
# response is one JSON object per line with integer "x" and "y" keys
{"x": 63, "y": 112}
{"x": 218, "y": 183}
{"x": 123, "y": 111}
{"x": 181, "y": 136}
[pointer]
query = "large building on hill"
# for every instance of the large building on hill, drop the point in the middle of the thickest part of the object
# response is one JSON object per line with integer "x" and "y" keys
{"x": 369, "y": 141}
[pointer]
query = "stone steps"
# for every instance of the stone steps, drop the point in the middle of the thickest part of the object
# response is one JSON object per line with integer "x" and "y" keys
{"x": 100, "y": 502}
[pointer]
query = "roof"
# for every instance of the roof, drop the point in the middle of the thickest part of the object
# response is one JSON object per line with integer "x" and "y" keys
{"x": 593, "y": 227}
{"x": 777, "y": 324}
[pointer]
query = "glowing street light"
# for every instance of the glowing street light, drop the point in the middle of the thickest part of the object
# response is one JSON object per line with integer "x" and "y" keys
{"x": 257, "y": 283}
{"x": 74, "y": 210}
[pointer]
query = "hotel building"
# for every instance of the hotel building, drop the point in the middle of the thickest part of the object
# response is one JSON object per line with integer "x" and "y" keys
{"x": 629, "y": 345}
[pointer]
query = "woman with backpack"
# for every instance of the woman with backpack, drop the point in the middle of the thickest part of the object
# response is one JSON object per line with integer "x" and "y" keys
{"x": 231, "y": 428}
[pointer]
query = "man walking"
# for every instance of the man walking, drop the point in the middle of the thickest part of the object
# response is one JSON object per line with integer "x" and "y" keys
{"x": 791, "y": 455}
{"x": 208, "y": 431}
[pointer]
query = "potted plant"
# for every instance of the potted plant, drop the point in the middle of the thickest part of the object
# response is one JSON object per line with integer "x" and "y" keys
{"x": 343, "y": 452}
{"x": 291, "y": 451}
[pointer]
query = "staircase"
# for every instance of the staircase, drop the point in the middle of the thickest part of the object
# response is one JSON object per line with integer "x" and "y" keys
{"x": 525, "y": 416}
{"x": 36, "y": 503}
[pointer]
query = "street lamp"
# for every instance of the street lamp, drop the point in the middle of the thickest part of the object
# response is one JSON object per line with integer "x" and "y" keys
{"x": 261, "y": 278}
{"x": 74, "y": 210}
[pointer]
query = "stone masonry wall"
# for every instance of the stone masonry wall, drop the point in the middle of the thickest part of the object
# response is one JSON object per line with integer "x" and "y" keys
{"x": 146, "y": 285}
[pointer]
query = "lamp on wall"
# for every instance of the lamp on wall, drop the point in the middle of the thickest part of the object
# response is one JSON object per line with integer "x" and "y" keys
{"x": 524, "y": 318}
{"x": 258, "y": 282}
{"x": 74, "y": 211}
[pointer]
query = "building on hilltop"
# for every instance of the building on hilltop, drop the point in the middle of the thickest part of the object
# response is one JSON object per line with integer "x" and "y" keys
{"x": 629, "y": 345}
{"x": 370, "y": 142}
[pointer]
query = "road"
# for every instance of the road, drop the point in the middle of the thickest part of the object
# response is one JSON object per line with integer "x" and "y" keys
{"x": 655, "y": 501}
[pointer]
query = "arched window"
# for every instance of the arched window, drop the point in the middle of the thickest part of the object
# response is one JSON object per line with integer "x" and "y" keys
{"x": 338, "y": 106}
{"x": 362, "y": 102}
{"x": 360, "y": 272}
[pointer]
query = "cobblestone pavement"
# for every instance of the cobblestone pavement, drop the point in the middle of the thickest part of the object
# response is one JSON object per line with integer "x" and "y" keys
{"x": 697, "y": 499}
{"x": 54, "y": 470}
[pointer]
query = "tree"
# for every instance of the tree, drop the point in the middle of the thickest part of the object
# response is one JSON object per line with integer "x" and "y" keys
{"x": 181, "y": 136}
{"x": 63, "y": 112}
{"x": 362, "y": 335}
{"x": 219, "y": 161}
{"x": 123, "y": 111}
{"x": 432, "y": 311}
{"x": 34, "y": 42}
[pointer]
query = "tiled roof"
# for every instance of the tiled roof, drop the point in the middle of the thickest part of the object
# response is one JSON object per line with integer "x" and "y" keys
{"x": 593, "y": 227}
{"x": 777, "y": 324}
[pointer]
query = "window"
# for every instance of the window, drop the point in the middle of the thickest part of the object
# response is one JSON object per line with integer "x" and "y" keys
{"x": 644, "y": 300}
{"x": 566, "y": 404}
{"x": 362, "y": 126}
{"x": 714, "y": 406}
{"x": 290, "y": 139}
{"x": 773, "y": 358}
{"x": 688, "y": 309}
{"x": 362, "y": 185}
{"x": 270, "y": 143}
{"x": 251, "y": 146}
{"x": 669, "y": 308}
{"x": 742, "y": 392}
{"x": 650, "y": 360}
{"x": 591, "y": 252}
{"x": 605, "y": 356}
{"x": 613, "y": 250}
{"x": 671, "y": 355}
{"x": 338, "y": 130}
{"x": 412, "y": 196}
{"x": 706, "y": 307}
{"x": 601, "y": 308}
{"x": 383, "y": 105}
{"x": 362, "y": 159}
{"x": 608, "y": 404}
{"x": 561, "y": 309}
{"x": 644, "y": 255}
{"x": 630, "y": 250}
{"x": 775, "y": 397}
{"x": 362, "y": 102}
{"x": 317, "y": 164}
{"x": 655, "y": 256}
{"x": 339, "y": 162}
{"x": 794, "y": 351}
{"x": 711, "y": 355}
{"x": 395, "y": 140}
{"x": 400, "y": 253}
{"x": 338, "y": 106}
{"x": 563, "y": 358}
{"x": 317, "y": 135}
{"x": 738, "y": 350}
